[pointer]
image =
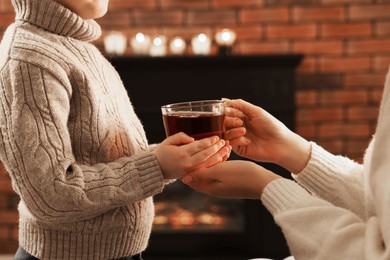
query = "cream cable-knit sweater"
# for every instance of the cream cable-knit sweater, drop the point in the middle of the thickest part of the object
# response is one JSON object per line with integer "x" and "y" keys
{"x": 70, "y": 140}
{"x": 348, "y": 215}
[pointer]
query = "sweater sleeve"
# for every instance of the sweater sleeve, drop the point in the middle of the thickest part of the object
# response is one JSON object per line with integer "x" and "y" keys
{"x": 315, "y": 229}
{"x": 336, "y": 179}
{"x": 36, "y": 150}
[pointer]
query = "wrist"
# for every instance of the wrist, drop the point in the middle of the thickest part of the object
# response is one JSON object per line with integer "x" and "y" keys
{"x": 268, "y": 177}
{"x": 297, "y": 154}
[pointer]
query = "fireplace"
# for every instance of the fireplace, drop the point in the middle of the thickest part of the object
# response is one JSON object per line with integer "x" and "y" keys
{"x": 190, "y": 225}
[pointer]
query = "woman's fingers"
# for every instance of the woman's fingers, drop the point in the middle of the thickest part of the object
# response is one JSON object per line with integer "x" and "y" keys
{"x": 235, "y": 133}
{"x": 234, "y": 112}
{"x": 241, "y": 141}
{"x": 241, "y": 105}
{"x": 233, "y": 122}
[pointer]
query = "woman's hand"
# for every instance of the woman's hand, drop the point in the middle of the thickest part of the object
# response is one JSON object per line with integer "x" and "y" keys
{"x": 257, "y": 135}
{"x": 179, "y": 154}
{"x": 236, "y": 179}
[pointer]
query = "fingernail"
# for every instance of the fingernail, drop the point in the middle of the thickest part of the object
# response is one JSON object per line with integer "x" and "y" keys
{"x": 186, "y": 179}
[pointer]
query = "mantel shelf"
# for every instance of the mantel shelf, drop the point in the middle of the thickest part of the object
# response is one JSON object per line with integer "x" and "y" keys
{"x": 272, "y": 60}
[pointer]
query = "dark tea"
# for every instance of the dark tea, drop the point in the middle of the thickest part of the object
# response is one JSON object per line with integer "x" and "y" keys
{"x": 196, "y": 124}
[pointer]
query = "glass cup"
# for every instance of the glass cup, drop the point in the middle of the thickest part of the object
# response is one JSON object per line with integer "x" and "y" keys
{"x": 199, "y": 119}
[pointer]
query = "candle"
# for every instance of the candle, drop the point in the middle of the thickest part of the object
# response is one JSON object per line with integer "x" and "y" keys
{"x": 158, "y": 47}
{"x": 115, "y": 43}
{"x": 177, "y": 46}
{"x": 201, "y": 44}
{"x": 140, "y": 44}
{"x": 225, "y": 40}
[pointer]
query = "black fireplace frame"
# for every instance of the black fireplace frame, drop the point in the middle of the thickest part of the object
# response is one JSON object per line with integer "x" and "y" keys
{"x": 265, "y": 80}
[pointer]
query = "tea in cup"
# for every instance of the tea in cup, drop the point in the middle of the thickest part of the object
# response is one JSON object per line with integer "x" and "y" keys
{"x": 199, "y": 119}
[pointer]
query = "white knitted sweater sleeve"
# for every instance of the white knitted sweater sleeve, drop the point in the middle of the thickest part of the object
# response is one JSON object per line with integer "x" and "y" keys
{"x": 336, "y": 179}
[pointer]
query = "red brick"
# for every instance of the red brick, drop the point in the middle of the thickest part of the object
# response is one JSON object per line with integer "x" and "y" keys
{"x": 6, "y": 20}
{"x": 4, "y": 232}
{"x": 373, "y": 12}
{"x": 381, "y": 63}
{"x": 376, "y": 96}
{"x": 265, "y": 47}
{"x": 300, "y": 31}
{"x": 336, "y": 13}
{"x": 325, "y": 2}
{"x": 237, "y": 3}
{"x": 8, "y": 246}
{"x": 316, "y": 81}
{"x": 321, "y": 114}
{"x": 188, "y": 4}
{"x": 368, "y": 46}
{"x": 290, "y": 2}
{"x": 383, "y": 29}
{"x": 3, "y": 202}
{"x": 264, "y": 15}
{"x": 335, "y": 146}
{"x": 306, "y": 131}
{"x": 186, "y": 33}
{"x": 344, "y": 130}
{"x": 158, "y": 18}
{"x": 344, "y": 64}
{"x": 364, "y": 80}
{"x": 318, "y": 47}
{"x": 6, "y": 6}
{"x": 356, "y": 149}
{"x": 9, "y": 217}
{"x": 250, "y": 32}
{"x": 3, "y": 172}
{"x": 343, "y": 97}
{"x": 115, "y": 20}
{"x": 346, "y": 30}
{"x": 5, "y": 187}
{"x": 308, "y": 65}
{"x": 306, "y": 98}
{"x": 125, "y": 4}
{"x": 217, "y": 17}
{"x": 362, "y": 113}
{"x": 15, "y": 233}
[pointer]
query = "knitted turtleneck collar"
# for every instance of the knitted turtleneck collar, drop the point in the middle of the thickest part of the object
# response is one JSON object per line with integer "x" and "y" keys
{"x": 55, "y": 18}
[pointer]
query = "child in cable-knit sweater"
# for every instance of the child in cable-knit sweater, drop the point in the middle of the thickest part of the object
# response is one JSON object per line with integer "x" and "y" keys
{"x": 75, "y": 150}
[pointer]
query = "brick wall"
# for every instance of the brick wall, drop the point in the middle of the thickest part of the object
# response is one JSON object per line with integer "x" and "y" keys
{"x": 339, "y": 83}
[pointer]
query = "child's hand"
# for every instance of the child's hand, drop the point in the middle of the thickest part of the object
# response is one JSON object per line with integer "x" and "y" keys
{"x": 180, "y": 154}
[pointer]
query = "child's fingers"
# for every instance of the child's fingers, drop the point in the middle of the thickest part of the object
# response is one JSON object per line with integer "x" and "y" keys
{"x": 204, "y": 154}
{"x": 178, "y": 139}
{"x": 221, "y": 155}
{"x": 200, "y": 145}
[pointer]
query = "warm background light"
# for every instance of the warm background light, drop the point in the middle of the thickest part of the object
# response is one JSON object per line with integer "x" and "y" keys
{"x": 140, "y": 44}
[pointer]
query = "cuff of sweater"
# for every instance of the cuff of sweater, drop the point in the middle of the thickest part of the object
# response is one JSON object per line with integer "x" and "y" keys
{"x": 282, "y": 194}
{"x": 151, "y": 178}
{"x": 319, "y": 171}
